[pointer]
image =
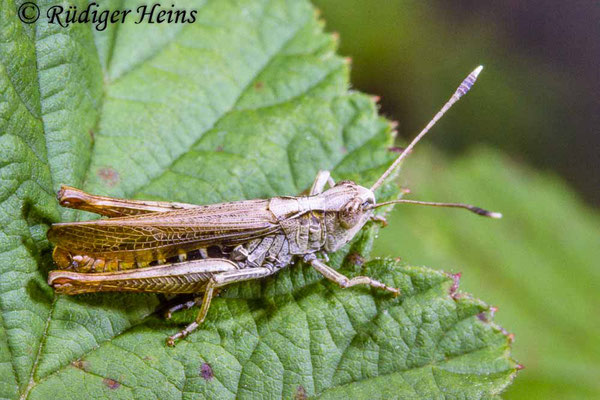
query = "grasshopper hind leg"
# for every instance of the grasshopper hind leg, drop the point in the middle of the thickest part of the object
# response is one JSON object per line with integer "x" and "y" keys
{"x": 111, "y": 207}
{"x": 215, "y": 282}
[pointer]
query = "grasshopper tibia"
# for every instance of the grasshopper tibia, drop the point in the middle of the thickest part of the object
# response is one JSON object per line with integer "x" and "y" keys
{"x": 217, "y": 281}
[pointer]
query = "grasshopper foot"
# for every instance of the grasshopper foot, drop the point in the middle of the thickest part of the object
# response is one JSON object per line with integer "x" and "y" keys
{"x": 183, "y": 333}
{"x": 375, "y": 284}
{"x": 381, "y": 285}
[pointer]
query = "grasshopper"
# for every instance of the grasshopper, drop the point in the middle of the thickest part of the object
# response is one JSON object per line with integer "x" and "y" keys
{"x": 162, "y": 247}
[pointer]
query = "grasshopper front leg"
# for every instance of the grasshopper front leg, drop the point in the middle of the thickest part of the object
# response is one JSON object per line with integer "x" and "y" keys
{"x": 342, "y": 280}
{"x": 217, "y": 281}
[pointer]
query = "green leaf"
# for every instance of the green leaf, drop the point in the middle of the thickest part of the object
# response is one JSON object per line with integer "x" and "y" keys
{"x": 250, "y": 101}
{"x": 538, "y": 264}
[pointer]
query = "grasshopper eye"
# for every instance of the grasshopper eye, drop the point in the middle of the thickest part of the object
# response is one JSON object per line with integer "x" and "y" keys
{"x": 350, "y": 215}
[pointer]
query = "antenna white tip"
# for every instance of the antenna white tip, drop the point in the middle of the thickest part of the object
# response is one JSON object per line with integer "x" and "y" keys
{"x": 495, "y": 215}
{"x": 462, "y": 89}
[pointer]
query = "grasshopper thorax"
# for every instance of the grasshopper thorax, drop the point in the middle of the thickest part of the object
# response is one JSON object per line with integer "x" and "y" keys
{"x": 325, "y": 221}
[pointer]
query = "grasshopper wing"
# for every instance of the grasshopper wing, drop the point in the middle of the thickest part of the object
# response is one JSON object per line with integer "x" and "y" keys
{"x": 120, "y": 243}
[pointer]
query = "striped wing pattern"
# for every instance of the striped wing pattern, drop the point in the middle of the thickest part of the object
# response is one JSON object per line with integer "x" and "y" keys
{"x": 160, "y": 235}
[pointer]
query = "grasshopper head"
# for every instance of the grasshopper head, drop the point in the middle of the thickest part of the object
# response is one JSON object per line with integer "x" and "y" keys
{"x": 357, "y": 208}
{"x": 353, "y": 204}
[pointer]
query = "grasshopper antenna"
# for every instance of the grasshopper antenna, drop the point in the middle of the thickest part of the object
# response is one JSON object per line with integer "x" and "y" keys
{"x": 476, "y": 210}
{"x": 464, "y": 87}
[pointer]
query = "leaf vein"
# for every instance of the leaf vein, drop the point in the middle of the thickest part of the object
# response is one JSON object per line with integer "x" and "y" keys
{"x": 232, "y": 108}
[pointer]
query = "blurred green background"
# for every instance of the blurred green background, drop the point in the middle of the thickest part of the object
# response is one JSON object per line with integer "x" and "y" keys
{"x": 525, "y": 142}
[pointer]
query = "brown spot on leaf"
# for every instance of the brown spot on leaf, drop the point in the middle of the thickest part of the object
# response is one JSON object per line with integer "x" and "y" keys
{"x": 91, "y": 133}
{"x": 109, "y": 176}
{"x": 519, "y": 367}
{"x": 219, "y": 149}
{"x": 482, "y": 317}
{"x": 111, "y": 383}
{"x": 80, "y": 364}
{"x": 300, "y": 393}
{"x": 259, "y": 85}
{"x": 206, "y": 371}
